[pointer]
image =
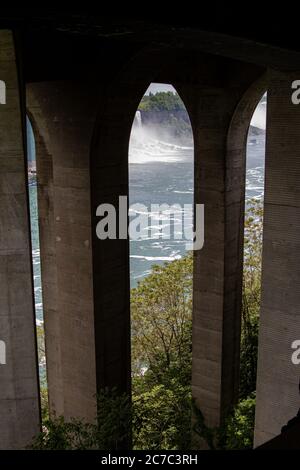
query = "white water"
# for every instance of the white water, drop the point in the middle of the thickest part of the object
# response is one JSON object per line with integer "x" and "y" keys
{"x": 149, "y": 145}
{"x": 137, "y": 120}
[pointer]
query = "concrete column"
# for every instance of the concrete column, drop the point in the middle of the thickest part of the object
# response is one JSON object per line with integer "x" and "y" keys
{"x": 217, "y": 273}
{"x": 19, "y": 395}
{"x": 109, "y": 180}
{"x": 220, "y": 120}
{"x": 46, "y": 223}
{"x": 81, "y": 164}
{"x": 63, "y": 116}
{"x": 278, "y": 378}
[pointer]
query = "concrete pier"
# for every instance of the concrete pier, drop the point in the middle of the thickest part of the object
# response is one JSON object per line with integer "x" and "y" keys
{"x": 19, "y": 395}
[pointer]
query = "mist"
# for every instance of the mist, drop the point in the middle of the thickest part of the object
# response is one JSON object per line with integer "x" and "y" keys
{"x": 150, "y": 143}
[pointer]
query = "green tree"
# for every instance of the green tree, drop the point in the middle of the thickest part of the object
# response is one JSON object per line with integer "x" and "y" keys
{"x": 111, "y": 430}
{"x": 162, "y": 101}
{"x": 161, "y": 311}
{"x": 251, "y": 296}
{"x": 239, "y": 426}
{"x": 161, "y": 308}
{"x": 235, "y": 433}
{"x": 162, "y": 417}
{"x": 42, "y": 364}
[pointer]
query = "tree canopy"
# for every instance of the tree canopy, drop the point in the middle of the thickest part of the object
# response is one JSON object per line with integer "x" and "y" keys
{"x": 162, "y": 101}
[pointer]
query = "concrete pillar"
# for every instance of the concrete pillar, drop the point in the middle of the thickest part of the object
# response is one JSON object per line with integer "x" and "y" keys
{"x": 217, "y": 274}
{"x": 63, "y": 116}
{"x": 109, "y": 180}
{"x": 221, "y": 117}
{"x": 46, "y": 224}
{"x": 85, "y": 280}
{"x": 278, "y": 378}
{"x": 19, "y": 394}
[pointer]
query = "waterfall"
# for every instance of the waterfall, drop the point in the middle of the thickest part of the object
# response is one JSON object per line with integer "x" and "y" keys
{"x": 147, "y": 144}
{"x": 138, "y": 120}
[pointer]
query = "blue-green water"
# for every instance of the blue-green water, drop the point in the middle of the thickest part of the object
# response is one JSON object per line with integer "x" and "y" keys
{"x": 35, "y": 250}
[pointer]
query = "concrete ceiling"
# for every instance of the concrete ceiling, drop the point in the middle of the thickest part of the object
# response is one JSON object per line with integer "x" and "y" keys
{"x": 247, "y": 34}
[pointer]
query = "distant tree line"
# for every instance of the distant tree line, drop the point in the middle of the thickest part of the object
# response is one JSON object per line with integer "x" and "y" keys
{"x": 162, "y": 101}
{"x": 166, "y": 114}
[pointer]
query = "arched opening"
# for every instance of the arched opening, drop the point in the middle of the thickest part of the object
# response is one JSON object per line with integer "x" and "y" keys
{"x": 161, "y": 195}
{"x": 36, "y": 263}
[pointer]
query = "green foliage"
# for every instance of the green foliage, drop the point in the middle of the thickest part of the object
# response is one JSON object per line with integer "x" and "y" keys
{"x": 44, "y": 402}
{"x": 113, "y": 419}
{"x": 165, "y": 114}
{"x": 239, "y": 426}
{"x": 162, "y": 101}
{"x": 235, "y": 433}
{"x": 161, "y": 312}
{"x": 42, "y": 362}
{"x": 109, "y": 432}
{"x": 251, "y": 296}
{"x": 162, "y": 417}
{"x": 57, "y": 434}
{"x": 161, "y": 308}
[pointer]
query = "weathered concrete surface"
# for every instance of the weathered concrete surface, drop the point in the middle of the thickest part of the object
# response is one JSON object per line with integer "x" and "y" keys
{"x": 277, "y": 381}
{"x": 19, "y": 402}
{"x": 222, "y": 121}
{"x": 63, "y": 116}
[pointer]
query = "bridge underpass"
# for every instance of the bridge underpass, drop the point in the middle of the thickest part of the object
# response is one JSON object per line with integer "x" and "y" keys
{"x": 81, "y": 105}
